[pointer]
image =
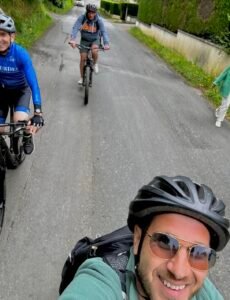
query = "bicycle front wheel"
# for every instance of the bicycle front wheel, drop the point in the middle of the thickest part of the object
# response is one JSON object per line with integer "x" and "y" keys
{"x": 86, "y": 81}
{"x": 17, "y": 143}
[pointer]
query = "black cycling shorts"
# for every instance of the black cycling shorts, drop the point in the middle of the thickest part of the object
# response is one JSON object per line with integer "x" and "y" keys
{"x": 20, "y": 99}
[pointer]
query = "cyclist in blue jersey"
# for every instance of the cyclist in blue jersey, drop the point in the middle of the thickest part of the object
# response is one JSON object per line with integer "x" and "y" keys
{"x": 17, "y": 81}
{"x": 92, "y": 28}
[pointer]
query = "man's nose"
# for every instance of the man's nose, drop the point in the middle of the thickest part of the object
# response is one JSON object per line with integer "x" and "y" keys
{"x": 179, "y": 265}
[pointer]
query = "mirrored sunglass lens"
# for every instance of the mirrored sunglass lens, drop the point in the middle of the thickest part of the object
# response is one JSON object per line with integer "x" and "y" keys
{"x": 202, "y": 258}
{"x": 164, "y": 245}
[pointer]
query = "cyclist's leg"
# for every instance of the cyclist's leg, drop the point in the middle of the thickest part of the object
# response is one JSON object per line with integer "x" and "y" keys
{"x": 21, "y": 113}
{"x": 83, "y": 55}
{"x": 21, "y": 104}
{"x": 95, "y": 46}
{"x": 4, "y": 107}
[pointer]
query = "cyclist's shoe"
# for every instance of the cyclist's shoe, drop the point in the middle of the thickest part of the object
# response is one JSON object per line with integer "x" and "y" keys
{"x": 96, "y": 68}
{"x": 80, "y": 82}
{"x": 28, "y": 144}
{"x": 218, "y": 123}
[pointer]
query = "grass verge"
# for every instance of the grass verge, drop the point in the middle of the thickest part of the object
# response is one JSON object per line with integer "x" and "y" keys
{"x": 33, "y": 28}
{"x": 193, "y": 74}
{"x": 32, "y": 17}
{"x": 68, "y": 4}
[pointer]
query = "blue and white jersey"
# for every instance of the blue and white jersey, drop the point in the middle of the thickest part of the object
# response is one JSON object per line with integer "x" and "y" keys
{"x": 17, "y": 71}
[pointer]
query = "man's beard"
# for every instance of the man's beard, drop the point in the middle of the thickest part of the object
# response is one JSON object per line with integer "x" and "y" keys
{"x": 144, "y": 285}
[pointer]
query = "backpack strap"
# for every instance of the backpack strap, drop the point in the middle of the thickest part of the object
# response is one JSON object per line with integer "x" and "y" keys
{"x": 118, "y": 263}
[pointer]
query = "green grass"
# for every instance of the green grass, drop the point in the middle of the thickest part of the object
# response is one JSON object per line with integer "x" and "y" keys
{"x": 193, "y": 74}
{"x": 33, "y": 28}
{"x": 31, "y": 17}
{"x": 68, "y": 4}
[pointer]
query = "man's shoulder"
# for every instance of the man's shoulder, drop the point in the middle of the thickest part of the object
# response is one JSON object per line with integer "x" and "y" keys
{"x": 99, "y": 18}
{"x": 18, "y": 47}
{"x": 82, "y": 18}
{"x": 98, "y": 265}
{"x": 103, "y": 281}
{"x": 208, "y": 292}
{"x": 19, "y": 50}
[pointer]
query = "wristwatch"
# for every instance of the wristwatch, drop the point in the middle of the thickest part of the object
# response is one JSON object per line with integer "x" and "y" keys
{"x": 38, "y": 111}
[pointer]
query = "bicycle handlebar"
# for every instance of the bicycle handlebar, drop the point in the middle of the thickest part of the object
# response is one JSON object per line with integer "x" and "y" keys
{"x": 21, "y": 125}
{"x": 99, "y": 48}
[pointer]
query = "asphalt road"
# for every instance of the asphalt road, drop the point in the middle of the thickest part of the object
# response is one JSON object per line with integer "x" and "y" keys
{"x": 142, "y": 120}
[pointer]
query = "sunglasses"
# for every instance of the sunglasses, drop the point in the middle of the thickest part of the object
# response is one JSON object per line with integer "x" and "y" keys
{"x": 166, "y": 246}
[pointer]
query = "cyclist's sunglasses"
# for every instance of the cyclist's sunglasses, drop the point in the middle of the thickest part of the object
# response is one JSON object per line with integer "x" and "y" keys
{"x": 166, "y": 246}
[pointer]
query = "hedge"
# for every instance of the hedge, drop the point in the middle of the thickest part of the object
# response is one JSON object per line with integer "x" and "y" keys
{"x": 117, "y": 8}
{"x": 105, "y": 5}
{"x": 197, "y": 17}
{"x": 204, "y": 18}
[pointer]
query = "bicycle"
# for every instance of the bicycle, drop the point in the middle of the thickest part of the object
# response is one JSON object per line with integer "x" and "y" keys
{"x": 11, "y": 155}
{"x": 88, "y": 70}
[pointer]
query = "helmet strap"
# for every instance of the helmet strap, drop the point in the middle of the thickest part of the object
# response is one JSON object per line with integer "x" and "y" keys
{"x": 137, "y": 259}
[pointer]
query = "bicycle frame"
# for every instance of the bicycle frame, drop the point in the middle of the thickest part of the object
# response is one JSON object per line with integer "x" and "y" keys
{"x": 10, "y": 156}
{"x": 88, "y": 70}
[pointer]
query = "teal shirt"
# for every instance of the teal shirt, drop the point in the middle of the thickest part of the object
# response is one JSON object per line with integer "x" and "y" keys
{"x": 96, "y": 280}
{"x": 223, "y": 82}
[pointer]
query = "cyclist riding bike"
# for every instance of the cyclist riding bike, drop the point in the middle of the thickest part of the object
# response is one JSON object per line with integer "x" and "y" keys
{"x": 178, "y": 226}
{"x": 92, "y": 28}
{"x": 17, "y": 81}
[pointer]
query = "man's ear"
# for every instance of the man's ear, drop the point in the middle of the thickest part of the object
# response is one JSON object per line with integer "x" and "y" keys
{"x": 12, "y": 37}
{"x": 136, "y": 238}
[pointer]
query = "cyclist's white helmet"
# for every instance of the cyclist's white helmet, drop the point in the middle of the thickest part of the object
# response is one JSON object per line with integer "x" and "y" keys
{"x": 7, "y": 24}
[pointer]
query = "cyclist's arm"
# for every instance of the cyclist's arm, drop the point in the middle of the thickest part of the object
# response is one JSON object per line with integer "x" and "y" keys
{"x": 94, "y": 280}
{"x": 76, "y": 27}
{"x": 103, "y": 32}
{"x": 30, "y": 74}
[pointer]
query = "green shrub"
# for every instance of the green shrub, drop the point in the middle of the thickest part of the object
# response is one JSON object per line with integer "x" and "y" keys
{"x": 114, "y": 8}
{"x": 204, "y": 18}
{"x": 132, "y": 9}
{"x": 105, "y": 5}
{"x": 120, "y": 8}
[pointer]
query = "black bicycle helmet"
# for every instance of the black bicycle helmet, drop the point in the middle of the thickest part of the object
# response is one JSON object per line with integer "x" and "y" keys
{"x": 181, "y": 195}
{"x": 91, "y": 7}
{"x": 7, "y": 24}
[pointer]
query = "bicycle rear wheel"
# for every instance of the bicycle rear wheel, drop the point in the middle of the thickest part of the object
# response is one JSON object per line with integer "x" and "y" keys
{"x": 86, "y": 83}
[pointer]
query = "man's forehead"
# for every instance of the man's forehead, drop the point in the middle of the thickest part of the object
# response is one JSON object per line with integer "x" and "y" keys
{"x": 3, "y": 32}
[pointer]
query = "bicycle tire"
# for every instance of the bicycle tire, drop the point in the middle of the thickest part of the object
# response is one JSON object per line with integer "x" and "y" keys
{"x": 18, "y": 149}
{"x": 8, "y": 159}
{"x": 86, "y": 80}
